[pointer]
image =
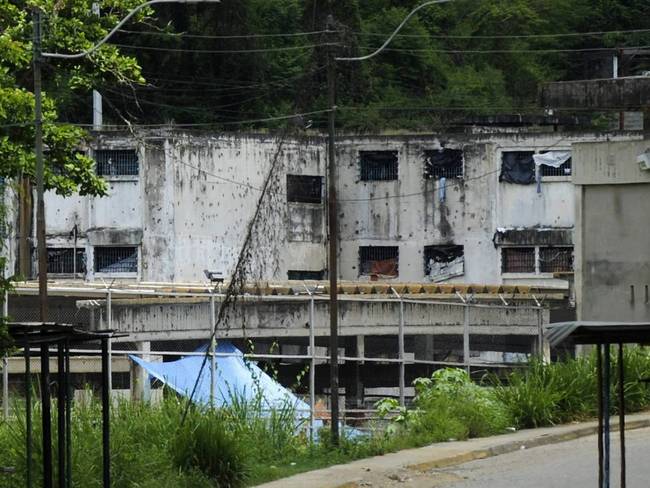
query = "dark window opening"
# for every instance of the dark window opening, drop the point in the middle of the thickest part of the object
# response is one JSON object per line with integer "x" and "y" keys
{"x": 304, "y": 189}
{"x": 379, "y": 261}
{"x": 378, "y": 165}
{"x": 116, "y": 259}
{"x": 443, "y": 163}
{"x": 517, "y": 167}
{"x": 62, "y": 260}
{"x": 113, "y": 162}
{"x": 443, "y": 262}
{"x": 301, "y": 275}
{"x": 555, "y": 259}
{"x": 518, "y": 260}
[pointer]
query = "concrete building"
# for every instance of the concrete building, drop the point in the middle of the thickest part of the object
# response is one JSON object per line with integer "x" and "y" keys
{"x": 612, "y": 233}
{"x": 460, "y": 207}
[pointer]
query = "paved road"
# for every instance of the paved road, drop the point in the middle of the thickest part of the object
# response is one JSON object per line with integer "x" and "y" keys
{"x": 570, "y": 464}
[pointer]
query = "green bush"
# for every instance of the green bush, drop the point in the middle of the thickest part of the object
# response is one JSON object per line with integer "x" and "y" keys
{"x": 204, "y": 443}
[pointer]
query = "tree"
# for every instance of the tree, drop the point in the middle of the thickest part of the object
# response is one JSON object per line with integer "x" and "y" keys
{"x": 67, "y": 27}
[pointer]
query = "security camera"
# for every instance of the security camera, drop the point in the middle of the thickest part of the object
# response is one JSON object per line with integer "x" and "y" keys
{"x": 214, "y": 276}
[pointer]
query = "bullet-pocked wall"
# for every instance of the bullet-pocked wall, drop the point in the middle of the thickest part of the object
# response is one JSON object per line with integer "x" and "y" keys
{"x": 411, "y": 208}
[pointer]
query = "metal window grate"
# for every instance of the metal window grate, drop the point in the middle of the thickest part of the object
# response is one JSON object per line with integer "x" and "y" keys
{"x": 112, "y": 162}
{"x": 379, "y": 260}
{"x": 443, "y": 163}
{"x": 116, "y": 259}
{"x": 62, "y": 261}
{"x": 518, "y": 260}
{"x": 378, "y": 165}
{"x": 564, "y": 170}
{"x": 517, "y": 167}
{"x": 305, "y": 275}
{"x": 304, "y": 189}
{"x": 441, "y": 254}
{"x": 555, "y": 259}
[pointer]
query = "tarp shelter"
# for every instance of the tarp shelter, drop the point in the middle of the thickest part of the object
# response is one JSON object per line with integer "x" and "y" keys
{"x": 603, "y": 334}
{"x": 236, "y": 380}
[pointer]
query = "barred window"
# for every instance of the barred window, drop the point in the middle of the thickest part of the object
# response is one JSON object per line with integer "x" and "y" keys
{"x": 116, "y": 259}
{"x": 555, "y": 259}
{"x": 378, "y": 165}
{"x": 517, "y": 167}
{"x": 443, "y": 163}
{"x": 302, "y": 274}
{"x": 563, "y": 170}
{"x": 64, "y": 260}
{"x": 304, "y": 189}
{"x": 113, "y": 162}
{"x": 379, "y": 260}
{"x": 518, "y": 260}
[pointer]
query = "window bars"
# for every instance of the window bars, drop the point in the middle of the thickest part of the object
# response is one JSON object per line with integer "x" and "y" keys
{"x": 117, "y": 162}
{"x": 555, "y": 259}
{"x": 379, "y": 260}
{"x": 304, "y": 189}
{"x": 116, "y": 259}
{"x": 62, "y": 260}
{"x": 378, "y": 165}
{"x": 518, "y": 260}
{"x": 443, "y": 163}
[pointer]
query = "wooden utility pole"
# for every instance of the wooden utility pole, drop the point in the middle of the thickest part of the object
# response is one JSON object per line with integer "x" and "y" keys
{"x": 38, "y": 149}
{"x": 333, "y": 236}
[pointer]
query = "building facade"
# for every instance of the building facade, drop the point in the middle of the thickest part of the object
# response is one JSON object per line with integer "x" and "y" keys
{"x": 466, "y": 207}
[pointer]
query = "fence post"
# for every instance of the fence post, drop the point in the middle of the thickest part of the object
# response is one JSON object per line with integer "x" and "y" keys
{"x": 213, "y": 347}
{"x": 5, "y": 366}
{"x": 400, "y": 348}
{"x": 109, "y": 342}
{"x": 466, "y": 358}
{"x": 312, "y": 365}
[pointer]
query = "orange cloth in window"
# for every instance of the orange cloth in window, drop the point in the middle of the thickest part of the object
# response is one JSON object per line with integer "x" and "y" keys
{"x": 385, "y": 267}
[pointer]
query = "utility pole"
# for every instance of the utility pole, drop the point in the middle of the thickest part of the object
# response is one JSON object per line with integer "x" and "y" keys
{"x": 38, "y": 150}
{"x": 333, "y": 236}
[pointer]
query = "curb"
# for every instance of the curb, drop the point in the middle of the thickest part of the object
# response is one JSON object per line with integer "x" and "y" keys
{"x": 513, "y": 446}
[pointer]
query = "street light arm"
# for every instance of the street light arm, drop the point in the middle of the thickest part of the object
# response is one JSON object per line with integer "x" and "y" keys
{"x": 120, "y": 24}
{"x": 390, "y": 38}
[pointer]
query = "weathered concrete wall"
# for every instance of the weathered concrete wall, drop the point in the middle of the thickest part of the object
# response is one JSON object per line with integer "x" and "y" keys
{"x": 613, "y": 237}
{"x": 196, "y": 194}
{"x": 620, "y": 93}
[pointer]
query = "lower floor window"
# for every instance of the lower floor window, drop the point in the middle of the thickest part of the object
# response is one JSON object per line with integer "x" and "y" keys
{"x": 305, "y": 275}
{"x": 381, "y": 261}
{"x": 116, "y": 259}
{"x": 536, "y": 259}
{"x": 65, "y": 260}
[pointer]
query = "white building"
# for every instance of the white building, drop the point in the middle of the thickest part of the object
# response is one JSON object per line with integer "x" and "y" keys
{"x": 460, "y": 207}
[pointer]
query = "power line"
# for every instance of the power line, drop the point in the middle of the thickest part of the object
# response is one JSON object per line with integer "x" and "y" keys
{"x": 223, "y": 51}
{"x": 514, "y": 36}
{"x": 500, "y": 51}
{"x": 238, "y": 36}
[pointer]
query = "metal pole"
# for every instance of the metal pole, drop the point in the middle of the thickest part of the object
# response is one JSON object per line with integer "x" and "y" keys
{"x": 106, "y": 415}
{"x": 333, "y": 241}
{"x": 621, "y": 409}
{"x": 312, "y": 364}
{"x": 400, "y": 348}
{"x": 28, "y": 414}
{"x": 606, "y": 444}
{"x": 109, "y": 318}
{"x": 466, "y": 359}
{"x": 46, "y": 415}
{"x": 5, "y": 365}
{"x": 68, "y": 416}
{"x": 61, "y": 420}
{"x": 599, "y": 374}
{"x": 213, "y": 350}
{"x": 40, "y": 172}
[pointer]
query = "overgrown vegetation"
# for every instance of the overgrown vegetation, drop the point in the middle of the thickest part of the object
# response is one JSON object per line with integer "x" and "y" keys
{"x": 238, "y": 446}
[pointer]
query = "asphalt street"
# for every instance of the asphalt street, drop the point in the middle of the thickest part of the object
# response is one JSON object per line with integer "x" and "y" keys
{"x": 568, "y": 464}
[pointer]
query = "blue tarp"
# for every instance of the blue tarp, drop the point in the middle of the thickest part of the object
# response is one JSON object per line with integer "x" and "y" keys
{"x": 236, "y": 380}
